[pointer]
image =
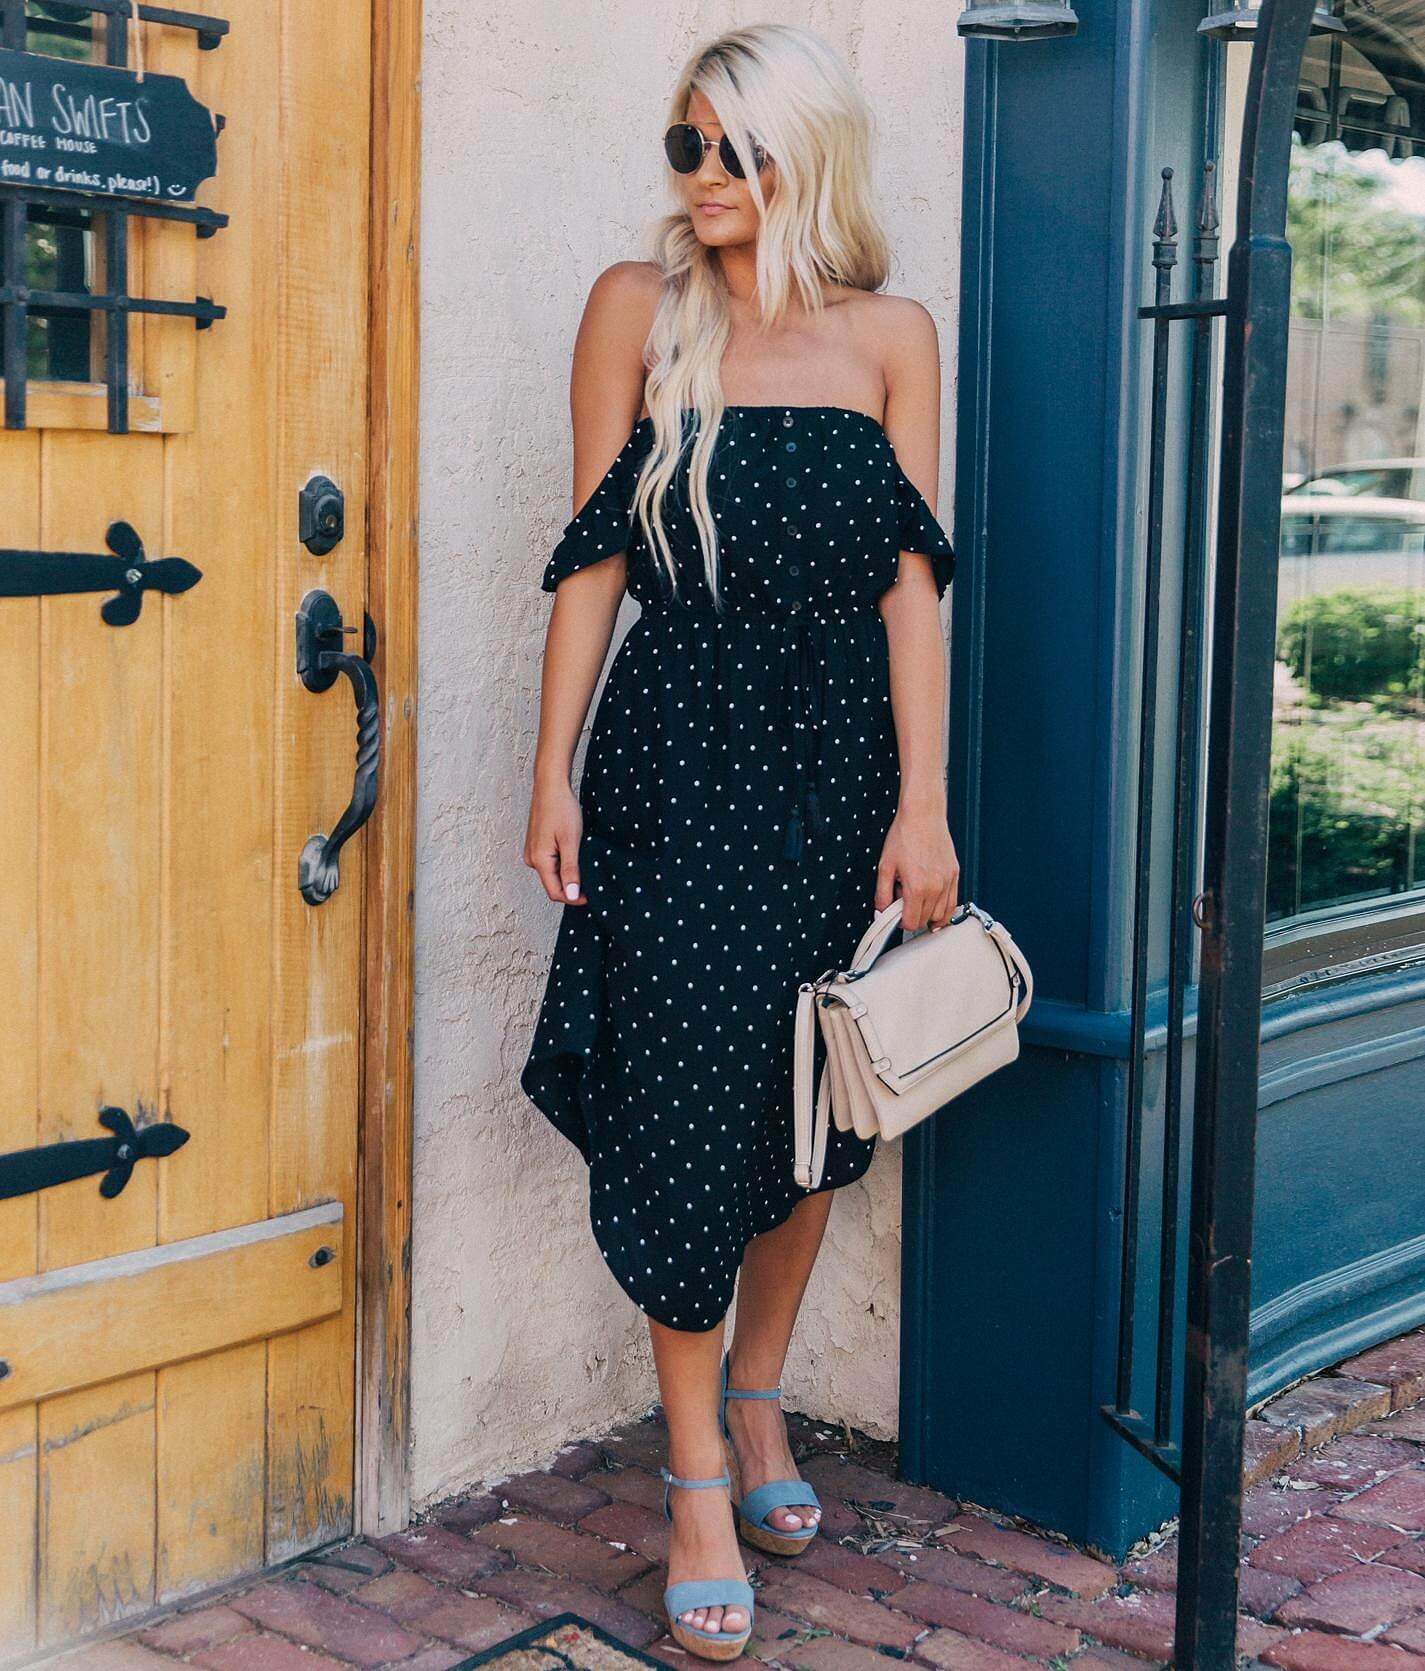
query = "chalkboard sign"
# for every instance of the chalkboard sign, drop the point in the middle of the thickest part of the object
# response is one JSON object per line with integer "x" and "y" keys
{"x": 67, "y": 125}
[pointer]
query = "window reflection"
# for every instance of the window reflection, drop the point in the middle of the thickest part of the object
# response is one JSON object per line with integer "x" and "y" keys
{"x": 1348, "y": 754}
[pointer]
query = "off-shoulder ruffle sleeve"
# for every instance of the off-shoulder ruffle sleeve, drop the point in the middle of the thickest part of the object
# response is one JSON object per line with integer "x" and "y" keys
{"x": 604, "y": 523}
{"x": 919, "y": 531}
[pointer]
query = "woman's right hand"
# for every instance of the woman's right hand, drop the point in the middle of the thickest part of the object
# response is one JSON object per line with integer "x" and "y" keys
{"x": 551, "y": 848}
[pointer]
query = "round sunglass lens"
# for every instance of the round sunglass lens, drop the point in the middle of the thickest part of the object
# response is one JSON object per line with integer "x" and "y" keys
{"x": 730, "y": 160}
{"x": 683, "y": 146}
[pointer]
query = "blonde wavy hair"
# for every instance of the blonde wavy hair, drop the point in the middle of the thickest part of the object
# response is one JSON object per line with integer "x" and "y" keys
{"x": 788, "y": 90}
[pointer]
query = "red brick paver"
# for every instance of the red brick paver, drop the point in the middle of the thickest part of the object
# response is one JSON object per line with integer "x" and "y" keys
{"x": 1399, "y": 1365}
{"x": 1315, "y": 1651}
{"x": 188, "y": 1633}
{"x": 345, "y": 1629}
{"x": 1321, "y": 1408}
{"x": 1359, "y": 1600}
{"x": 1397, "y": 1501}
{"x": 1059, "y": 1563}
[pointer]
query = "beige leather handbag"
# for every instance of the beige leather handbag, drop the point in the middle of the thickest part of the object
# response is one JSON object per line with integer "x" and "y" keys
{"x": 905, "y": 1030}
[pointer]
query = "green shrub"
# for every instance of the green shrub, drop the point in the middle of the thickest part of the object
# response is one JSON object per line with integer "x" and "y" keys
{"x": 1356, "y": 643}
{"x": 1323, "y": 846}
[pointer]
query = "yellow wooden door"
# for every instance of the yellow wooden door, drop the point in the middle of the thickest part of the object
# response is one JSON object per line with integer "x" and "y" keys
{"x": 176, "y": 1361}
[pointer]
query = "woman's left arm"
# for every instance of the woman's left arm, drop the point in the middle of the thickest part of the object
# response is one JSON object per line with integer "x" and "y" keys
{"x": 918, "y": 858}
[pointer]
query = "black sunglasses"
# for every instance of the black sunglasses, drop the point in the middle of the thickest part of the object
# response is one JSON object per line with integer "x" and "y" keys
{"x": 685, "y": 147}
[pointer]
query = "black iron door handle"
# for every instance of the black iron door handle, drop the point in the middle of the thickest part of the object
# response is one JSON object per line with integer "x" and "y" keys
{"x": 320, "y": 661}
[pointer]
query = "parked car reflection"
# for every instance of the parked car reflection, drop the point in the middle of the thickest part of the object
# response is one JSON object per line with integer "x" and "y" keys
{"x": 1349, "y": 540}
{"x": 1376, "y": 478}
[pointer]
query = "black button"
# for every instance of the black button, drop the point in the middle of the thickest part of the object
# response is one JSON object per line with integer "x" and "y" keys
{"x": 787, "y": 420}
{"x": 793, "y": 569}
{"x": 795, "y": 607}
{"x": 791, "y": 481}
{"x": 791, "y": 446}
{"x": 793, "y": 530}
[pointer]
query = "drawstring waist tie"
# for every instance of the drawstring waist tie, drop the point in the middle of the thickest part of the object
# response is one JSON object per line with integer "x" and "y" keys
{"x": 804, "y": 680}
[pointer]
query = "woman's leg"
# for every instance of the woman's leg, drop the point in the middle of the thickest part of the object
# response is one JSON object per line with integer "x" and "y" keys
{"x": 704, "y": 1539}
{"x": 775, "y": 1270}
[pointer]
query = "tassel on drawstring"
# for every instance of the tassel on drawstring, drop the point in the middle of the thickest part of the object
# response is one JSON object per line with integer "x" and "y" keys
{"x": 804, "y": 821}
{"x": 792, "y": 846}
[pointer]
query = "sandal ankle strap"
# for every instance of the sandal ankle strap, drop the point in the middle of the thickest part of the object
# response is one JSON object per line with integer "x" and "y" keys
{"x": 674, "y": 1479}
{"x": 746, "y": 1392}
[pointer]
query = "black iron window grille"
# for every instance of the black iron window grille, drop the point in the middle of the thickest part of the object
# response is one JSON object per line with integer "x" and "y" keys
{"x": 50, "y": 239}
{"x": 1151, "y": 1435}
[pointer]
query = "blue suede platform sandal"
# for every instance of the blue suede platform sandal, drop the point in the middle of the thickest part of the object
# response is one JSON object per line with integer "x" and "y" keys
{"x": 753, "y": 1509}
{"x": 705, "y": 1592}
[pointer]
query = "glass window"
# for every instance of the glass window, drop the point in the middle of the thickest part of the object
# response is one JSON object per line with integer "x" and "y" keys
{"x": 1347, "y": 810}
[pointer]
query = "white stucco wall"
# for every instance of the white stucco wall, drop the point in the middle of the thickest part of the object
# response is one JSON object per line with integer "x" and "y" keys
{"x": 541, "y": 166}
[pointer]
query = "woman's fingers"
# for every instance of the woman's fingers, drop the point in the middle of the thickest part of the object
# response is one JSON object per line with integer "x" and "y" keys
{"x": 915, "y": 911}
{"x": 570, "y": 891}
{"x": 556, "y": 862}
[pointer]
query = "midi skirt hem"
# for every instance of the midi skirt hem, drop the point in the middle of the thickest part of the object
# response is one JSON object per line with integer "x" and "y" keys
{"x": 555, "y": 1083}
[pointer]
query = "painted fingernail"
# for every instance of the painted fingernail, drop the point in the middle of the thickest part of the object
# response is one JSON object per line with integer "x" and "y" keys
{"x": 571, "y": 890}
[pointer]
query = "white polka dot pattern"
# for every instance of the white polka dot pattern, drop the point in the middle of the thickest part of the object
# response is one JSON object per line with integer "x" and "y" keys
{"x": 740, "y": 777}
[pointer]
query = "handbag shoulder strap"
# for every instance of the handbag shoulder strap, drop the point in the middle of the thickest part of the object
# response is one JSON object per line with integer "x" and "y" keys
{"x": 809, "y": 1127}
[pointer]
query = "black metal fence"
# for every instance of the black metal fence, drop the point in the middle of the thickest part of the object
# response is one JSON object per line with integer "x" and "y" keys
{"x": 1229, "y": 910}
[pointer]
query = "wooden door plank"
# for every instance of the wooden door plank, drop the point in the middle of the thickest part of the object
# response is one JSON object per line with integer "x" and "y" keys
{"x": 217, "y": 1040}
{"x": 167, "y": 1303}
{"x": 63, "y": 405}
{"x": 100, "y": 821}
{"x": 19, "y": 852}
{"x": 96, "y": 1509}
{"x": 384, "y": 1271}
{"x": 211, "y": 1425}
{"x": 321, "y": 408}
{"x": 19, "y": 1452}
{"x": 217, "y": 1000}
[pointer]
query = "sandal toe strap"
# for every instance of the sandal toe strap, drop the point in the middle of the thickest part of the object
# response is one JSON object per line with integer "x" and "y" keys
{"x": 709, "y": 1592}
{"x": 777, "y": 1494}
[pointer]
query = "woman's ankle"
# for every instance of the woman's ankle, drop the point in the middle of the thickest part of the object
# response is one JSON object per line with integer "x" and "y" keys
{"x": 701, "y": 1458}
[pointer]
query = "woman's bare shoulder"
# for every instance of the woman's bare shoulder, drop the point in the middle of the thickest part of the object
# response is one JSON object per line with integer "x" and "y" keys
{"x": 626, "y": 293}
{"x": 891, "y": 319}
{"x": 607, "y": 377}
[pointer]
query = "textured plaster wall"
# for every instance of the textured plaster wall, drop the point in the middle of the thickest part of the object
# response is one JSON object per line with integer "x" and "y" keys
{"x": 541, "y": 166}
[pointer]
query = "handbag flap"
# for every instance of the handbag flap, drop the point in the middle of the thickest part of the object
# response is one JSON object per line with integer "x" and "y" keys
{"x": 930, "y": 994}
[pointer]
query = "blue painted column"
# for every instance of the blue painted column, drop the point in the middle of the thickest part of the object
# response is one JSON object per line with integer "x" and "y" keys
{"x": 1011, "y": 1211}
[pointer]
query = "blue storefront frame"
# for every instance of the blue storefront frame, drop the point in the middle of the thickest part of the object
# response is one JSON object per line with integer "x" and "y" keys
{"x": 1012, "y": 1207}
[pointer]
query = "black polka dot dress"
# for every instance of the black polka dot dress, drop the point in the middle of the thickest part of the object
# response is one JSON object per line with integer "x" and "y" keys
{"x": 738, "y": 783}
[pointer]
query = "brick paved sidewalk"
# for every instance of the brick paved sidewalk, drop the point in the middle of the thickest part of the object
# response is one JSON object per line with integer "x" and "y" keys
{"x": 1333, "y": 1572}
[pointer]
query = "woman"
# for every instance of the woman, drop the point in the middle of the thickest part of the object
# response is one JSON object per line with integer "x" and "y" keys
{"x": 756, "y": 436}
